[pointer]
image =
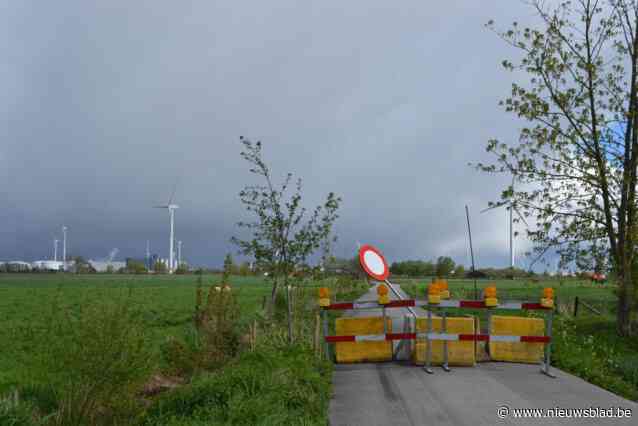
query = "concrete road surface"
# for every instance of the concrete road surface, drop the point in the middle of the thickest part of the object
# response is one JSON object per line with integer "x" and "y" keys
{"x": 397, "y": 393}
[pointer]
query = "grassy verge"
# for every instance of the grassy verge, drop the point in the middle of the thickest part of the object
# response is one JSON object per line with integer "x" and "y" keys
{"x": 589, "y": 347}
{"x": 270, "y": 386}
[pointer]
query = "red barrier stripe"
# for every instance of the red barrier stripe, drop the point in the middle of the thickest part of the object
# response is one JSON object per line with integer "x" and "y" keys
{"x": 462, "y": 337}
{"x": 475, "y": 304}
{"x": 472, "y": 304}
{"x": 536, "y": 339}
{"x": 472, "y": 337}
{"x": 337, "y": 306}
{"x": 400, "y": 303}
{"x": 400, "y": 336}
{"x": 340, "y": 338}
{"x": 533, "y": 306}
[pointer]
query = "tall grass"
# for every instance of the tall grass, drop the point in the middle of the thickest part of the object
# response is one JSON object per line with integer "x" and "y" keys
{"x": 590, "y": 348}
{"x": 269, "y": 386}
{"x": 85, "y": 363}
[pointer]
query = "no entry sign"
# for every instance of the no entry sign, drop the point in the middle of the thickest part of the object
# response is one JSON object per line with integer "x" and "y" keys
{"x": 373, "y": 262}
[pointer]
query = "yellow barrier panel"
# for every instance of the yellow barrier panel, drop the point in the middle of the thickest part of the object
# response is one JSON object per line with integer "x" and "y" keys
{"x": 527, "y": 352}
{"x": 459, "y": 353}
{"x": 350, "y": 352}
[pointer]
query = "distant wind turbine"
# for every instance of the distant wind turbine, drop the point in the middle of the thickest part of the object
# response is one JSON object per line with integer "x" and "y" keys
{"x": 55, "y": 249}
{"x": 511, "y": 207}
{"x": 171, "y": 214}
{"x": 64, "y": 229}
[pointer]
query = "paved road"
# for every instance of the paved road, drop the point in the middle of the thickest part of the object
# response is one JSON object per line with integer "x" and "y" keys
{"x": 401, "y": 394}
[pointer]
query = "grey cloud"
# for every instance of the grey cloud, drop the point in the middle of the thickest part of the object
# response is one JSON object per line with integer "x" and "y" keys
{"x": 107, "y": 104}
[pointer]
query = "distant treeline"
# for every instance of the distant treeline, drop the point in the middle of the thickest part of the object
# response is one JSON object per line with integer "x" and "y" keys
{"x": 446, "y": 267}
{"x": 443, "y": 267}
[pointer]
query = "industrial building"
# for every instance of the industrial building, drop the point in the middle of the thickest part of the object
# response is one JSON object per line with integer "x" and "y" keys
{"x": 106, "y": 266}
{"x": 47, "y": 265}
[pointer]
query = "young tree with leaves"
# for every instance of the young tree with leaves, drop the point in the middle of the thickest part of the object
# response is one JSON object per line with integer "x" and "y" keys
{"x": 283, "y": 237}
{"x": 575, "y": 161}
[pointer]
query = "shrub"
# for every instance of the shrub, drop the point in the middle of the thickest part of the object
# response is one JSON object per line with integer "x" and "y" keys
{"x": 215, "y": 337}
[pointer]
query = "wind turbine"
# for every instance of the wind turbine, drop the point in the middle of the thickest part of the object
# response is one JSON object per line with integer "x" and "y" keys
{"x": 171, "y": 240}
{"x": 179, "y": 254}
{"x": 511, "y": 207}
{"x": 148, "y": 255}
{"x": 55, "y": 249}
{"x": 64, "y": 228}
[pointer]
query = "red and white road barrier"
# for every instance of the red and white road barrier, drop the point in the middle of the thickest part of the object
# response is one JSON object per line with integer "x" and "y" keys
{"x": 438, "y": 336}
{"x": 472, "y": 304}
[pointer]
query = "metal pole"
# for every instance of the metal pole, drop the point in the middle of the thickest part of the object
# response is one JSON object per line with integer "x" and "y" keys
{"x": 511, "y": 241}
{"x": 469, "y": 231}
{"x": 445, "y": 354}
{"x": 428, "y": 344}
{"x": 55, "y": 250}
{"x": 171, "y": 214}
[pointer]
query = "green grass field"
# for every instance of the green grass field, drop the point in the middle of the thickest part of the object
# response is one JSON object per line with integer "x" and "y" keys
{"x": 164, "y": 305}
{"x": 599, "y": 296}
{"x": 166, "y": 302}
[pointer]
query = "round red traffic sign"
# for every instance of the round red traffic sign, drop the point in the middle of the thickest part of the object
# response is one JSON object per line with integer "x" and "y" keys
{"x": 373, "y": 262}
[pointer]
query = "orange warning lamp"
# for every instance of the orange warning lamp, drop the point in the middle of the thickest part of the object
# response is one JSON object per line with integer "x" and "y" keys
{"x": 489, "y": 295}
{"x": 444, "y": 290}
{"x": 324, "y": 296}
{"x": 382, "y": 292}
{"x": 434, "y": 293}
{"x": 547, "y": 301}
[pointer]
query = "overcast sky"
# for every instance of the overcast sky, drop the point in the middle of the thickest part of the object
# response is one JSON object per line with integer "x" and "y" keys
{"x": 107, "y": 104}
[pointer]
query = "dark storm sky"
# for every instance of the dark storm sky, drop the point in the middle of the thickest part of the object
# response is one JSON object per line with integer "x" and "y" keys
{"x": 107, "y": 104}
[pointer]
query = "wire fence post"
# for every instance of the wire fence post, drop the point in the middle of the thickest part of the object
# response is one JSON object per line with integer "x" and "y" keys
{"x": 326, "y": 345}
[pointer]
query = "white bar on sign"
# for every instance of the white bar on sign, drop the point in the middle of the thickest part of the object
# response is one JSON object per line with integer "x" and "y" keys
{"x": 443, "y": 336}
{"x": 494, "y": 338}
{"x": 370, "y": 338}
{"x": 511, "y": 305}
{"x": 365, "y": 305}
{"x": 449, "y": 303}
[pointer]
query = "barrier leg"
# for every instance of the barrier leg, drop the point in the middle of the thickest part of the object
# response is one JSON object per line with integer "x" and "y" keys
{"x": 428, "y": 344}
{"x": 445, "y": 366}
{"x": 385, "y": 331}
{"x": 488, "y": 320}
{"x": 326, "y": 345}
{"x": 548, "y": 346}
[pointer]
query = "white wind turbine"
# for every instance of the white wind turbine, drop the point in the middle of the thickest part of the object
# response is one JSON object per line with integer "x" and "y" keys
{"x": 171, "y": 214}
{"x": 55, "y": 250}
{"x": 511, "y": 207}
